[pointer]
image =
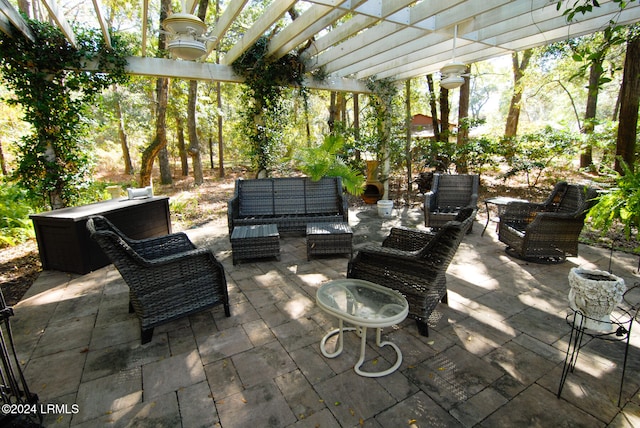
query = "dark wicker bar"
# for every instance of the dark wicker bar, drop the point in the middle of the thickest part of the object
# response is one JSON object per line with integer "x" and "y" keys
{"x": 256, "y": 241}
{"x": 329, "y": 238}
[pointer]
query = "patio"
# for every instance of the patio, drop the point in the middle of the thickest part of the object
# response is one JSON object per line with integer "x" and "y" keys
{"x": 494, "y": 356}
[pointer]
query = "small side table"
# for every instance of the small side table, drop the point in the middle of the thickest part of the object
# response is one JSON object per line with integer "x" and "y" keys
{"x": 329, "y": 238}
{"x": 249, "y": 242}
{"x": 362, "y": 304}
{"x": 500, "y": 202}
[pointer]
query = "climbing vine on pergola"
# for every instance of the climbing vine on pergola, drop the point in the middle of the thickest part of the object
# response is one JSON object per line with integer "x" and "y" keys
{"x": 49, "y": 81}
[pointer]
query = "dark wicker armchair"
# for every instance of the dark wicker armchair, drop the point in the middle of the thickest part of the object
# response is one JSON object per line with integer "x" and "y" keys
{"x": 449, "y": 193}
{"x": 168, "y": 277}
{"x": 415, "y": 263}
{"x": 548, "y": 231}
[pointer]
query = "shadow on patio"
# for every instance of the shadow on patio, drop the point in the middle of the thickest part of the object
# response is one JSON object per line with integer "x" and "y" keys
{"x": 494, "y": 356}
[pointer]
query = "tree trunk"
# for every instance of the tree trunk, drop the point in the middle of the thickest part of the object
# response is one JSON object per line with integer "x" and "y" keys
{"x": 162, "y": 95}
{"x": 192, "y": 128}
{"x": 463, "y": 123}
{"x": 332, "y": 112}
{"x": 518, "y": 68}
{"x": 628, "y": 124}
{"x": 220, "y": 136}
{"x": 122, "y": 135}
{"x": 595, "y": 71}
{"x": 24, "y": 6}
{"x": 444, "y": 114}
{"x": 194, "y": 142}
{"x": 407, "y": 147}
{"x": 182, "y": 149}
{"x": 3, "y": 163}
{"x": 165, "y": 166}
{"x": 434, "y": 108}
{"x": 356, "y": 121}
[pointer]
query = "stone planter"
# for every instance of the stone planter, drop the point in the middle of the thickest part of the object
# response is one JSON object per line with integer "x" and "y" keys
{"x": 595, "y": 294}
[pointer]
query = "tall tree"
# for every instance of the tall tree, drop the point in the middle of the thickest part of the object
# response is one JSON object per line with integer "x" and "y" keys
{"x": 518, "y": 66}
{"x": 629, "y": 100}
{"x": 194, "y": 142}
{"x": 434, "y": 108}
{"x": 444, "y": 114}
{"x": 407, "y": 146}
{"x": 592, "y": 51}
{"x": 122, "y": 133}
{"x": 162, "y": 96}
{"x": 182, "y": 149}
{"x": 463, "y": 122}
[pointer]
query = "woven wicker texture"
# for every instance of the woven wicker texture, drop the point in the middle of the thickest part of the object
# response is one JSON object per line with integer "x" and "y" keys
{"x": 290, "y": 203}
{"x": 328, "y": 238}
{"x": 414, "y": 263}
{"x": 449, "y": 193}
{"x": 257, "y": 241}
{"x": 547, "y": 230}
{"x": 168, "y": 277}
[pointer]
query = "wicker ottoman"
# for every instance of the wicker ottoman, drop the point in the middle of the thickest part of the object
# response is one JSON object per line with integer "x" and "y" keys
{"x": 329, "y": 238}
{"x": 257, "y": 241}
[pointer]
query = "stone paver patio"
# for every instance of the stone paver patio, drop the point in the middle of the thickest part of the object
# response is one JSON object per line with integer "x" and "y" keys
{"x": 494, "y": 356}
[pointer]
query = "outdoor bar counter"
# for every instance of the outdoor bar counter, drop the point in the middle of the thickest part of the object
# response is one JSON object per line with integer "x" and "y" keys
{"x": 64, "y": 242}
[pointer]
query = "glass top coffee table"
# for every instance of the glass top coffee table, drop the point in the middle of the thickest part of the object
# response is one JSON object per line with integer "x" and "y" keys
{"x": 362, "y": 304}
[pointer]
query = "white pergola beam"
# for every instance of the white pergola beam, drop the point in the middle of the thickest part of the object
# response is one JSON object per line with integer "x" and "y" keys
{"x": 191, "y": 70}
{"x": 103, "y": 23}
{"x": 14, "y": 18}
{"x": 224, "y": 23}
{"x": 274, "y": 12}
{"x": 62, "y": 23}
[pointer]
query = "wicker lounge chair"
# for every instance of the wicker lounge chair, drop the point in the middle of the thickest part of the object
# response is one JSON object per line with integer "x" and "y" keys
{"x": 168, "y": 277}
{"x": 547, "y": 232}
{"x": 415, "y": 263}
{"x": 449, "y": 193}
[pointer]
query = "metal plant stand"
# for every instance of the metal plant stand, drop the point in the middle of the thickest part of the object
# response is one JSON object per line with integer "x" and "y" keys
{"x": 19, "y": 406}
{"x": 620, "y": 331}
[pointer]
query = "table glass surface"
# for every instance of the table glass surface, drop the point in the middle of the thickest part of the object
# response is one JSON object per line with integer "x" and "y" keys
{"x": 503, "y": 200}
{"x": 362, "y": 301}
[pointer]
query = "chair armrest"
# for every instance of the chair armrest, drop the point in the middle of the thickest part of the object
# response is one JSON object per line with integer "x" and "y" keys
{"x": 520, "y": 212}
{"x": 343, "y": 205}
{"x": 196, "y": 270}
{"x": 473, "y": 200}
{"x": 542, "y": 221}
{"x": 233, "y": 210}
{"x": 394, "y": 262}
{"x": 404, "y": 239}
{"x": 429, "y": 201}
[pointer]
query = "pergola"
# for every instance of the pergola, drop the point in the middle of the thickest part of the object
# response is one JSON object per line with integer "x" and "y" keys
{"x": 356, "y": 39}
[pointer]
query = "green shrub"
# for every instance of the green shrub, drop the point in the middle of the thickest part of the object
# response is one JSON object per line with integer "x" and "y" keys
{"x": 15, "y": 225}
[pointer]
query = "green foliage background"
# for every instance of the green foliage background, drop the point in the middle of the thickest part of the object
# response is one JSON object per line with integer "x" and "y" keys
{"x": 50, "y": 84}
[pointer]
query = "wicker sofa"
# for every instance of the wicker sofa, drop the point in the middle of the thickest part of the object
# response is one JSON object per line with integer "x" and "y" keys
{"x": 168, "y": 277}
{"x": 415, "y": 263}
{"x": 548, "y": 231}
{"x": 289, "y": 202}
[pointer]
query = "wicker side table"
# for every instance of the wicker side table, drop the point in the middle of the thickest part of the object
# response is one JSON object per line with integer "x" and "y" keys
{"x": 256, "y": 241}
{"x": 329, "y": 238}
